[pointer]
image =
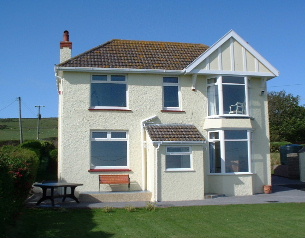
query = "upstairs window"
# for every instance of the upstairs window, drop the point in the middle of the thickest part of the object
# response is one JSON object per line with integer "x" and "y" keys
{"x": 171, "y": 93}
{"x": 228, "y": 96}
{"x": 108, "y": 91}
{"x": 229, "y": 151}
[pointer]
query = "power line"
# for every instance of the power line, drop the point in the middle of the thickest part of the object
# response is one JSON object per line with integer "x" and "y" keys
{"x": 8, "y": 105}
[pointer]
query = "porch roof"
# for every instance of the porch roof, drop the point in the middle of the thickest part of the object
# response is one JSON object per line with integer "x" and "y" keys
{"x": 174, "y": 132}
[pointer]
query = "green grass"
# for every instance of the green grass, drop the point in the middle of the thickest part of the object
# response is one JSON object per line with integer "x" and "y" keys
{"x": 259, "y": 220}
{"x": 9, "y": 128}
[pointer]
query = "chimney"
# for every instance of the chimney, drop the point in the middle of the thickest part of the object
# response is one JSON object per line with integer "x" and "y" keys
{"x": 65, "y": 48}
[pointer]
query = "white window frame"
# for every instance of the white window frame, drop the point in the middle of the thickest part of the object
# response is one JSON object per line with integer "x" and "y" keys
{"x": 220, "y": 96}
{"x": 179, "y": 93}
{"x": 190, "y": 153}
{"x": 113, "y": 82}
{"x": 110, "y": 138}
{"x": 222, "y": 141}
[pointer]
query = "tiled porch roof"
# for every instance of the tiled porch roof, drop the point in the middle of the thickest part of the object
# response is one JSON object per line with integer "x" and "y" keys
{"x": 133, "y": 54}
{"x": 174, "y": 132}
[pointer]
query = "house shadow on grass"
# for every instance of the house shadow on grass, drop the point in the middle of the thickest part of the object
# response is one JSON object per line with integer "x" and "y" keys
{"x": 58, "y": 222}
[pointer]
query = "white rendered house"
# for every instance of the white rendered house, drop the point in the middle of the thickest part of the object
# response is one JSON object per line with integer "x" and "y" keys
{"x": 182, "y": 120}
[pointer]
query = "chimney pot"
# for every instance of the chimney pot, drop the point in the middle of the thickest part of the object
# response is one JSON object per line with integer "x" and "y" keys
{"x": 66, "y": 35}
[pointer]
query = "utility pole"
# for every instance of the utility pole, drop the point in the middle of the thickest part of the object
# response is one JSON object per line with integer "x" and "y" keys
{"x": 38, "y": 123}
{"x": 20, "y": 121}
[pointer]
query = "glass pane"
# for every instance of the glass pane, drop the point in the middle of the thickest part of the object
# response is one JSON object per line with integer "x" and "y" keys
{"x": 210, "y": 81}
{"x": 215, "y": 159}
{"x": 213, "y": 105}
{"x": 117, "y": 78}
{"x": 236, "y": 134}
{"x": 99, "y": 134}
{"x": 236, "y": 153}
{"x": 108, "y": 94}
{"x": 214, "y": 135}
{"x": 109, "y": 153}
{"x": 99, "y": 77}
{"x": 171, "y": 96}
{"x": 230, "y": 79}
{"x": 178, "y": 161}
{"x": 234, "y": 99}
{"x": 178, "y": 149}
{"x": 170, "y": 80}
{"x": 118, "y": 134}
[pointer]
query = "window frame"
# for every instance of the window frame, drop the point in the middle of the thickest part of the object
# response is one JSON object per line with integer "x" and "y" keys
{"x": 167, "y": 84}
{"x": 190, "y": 153}
{"x": 109, "y": 138}
{"x": 220, "y": 97}
{"x": 221, "y": 139}
{"x": 109, "y": 80}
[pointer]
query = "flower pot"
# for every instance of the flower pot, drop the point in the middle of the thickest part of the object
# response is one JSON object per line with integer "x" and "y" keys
{"x": 267, "y": 189}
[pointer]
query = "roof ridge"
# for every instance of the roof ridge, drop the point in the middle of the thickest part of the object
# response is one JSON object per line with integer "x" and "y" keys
{"x": 156, "y": 41}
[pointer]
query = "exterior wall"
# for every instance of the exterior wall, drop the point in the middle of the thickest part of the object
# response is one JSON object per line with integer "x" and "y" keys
{"x": 230, "y": 185}
{"x": 145, "y": 100}
{"x": 181, "y": 185}
{"x": 232, "y": 56}
{"x": 147, "y": 168}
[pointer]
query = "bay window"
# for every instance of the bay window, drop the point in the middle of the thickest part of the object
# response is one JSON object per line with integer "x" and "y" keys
{"x": 228, "y": 96}
{"x": 229, "y": 151}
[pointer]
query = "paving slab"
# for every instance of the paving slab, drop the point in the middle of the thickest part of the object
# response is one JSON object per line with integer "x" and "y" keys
{"x": 284, "y": 190}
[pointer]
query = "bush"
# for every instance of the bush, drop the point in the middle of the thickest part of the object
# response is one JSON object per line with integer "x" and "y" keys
{"x": 18, "y": 169}
{"x": 275, "y": 146}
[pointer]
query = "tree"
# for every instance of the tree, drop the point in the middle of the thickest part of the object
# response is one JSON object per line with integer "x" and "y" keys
{"x": 286, "y": 117}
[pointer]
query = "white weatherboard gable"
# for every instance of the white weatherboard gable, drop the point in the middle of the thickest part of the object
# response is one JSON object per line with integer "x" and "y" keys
{"x": 232, "y": 55}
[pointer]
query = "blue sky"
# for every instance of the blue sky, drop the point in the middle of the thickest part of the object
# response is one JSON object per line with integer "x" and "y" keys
{"x": 30, "y": 32}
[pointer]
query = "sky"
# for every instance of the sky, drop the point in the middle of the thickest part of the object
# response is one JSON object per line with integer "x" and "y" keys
{"x": 30, "y": 32}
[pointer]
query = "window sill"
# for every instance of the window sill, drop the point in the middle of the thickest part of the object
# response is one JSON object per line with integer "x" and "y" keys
{"x": 109, "y": 170}
{"x": 231, "y": 117}
{"x": 109, "y": 109}
{"x": 173, "y": 111}
{"x": 180, "y": 170}
{"x": 231, "y": 174}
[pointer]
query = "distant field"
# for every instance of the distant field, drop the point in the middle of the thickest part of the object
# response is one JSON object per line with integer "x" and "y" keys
{"x": 9, "y": 128}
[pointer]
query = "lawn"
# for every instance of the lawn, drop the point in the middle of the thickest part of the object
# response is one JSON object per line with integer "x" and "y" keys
{"x": 259, "y": 220}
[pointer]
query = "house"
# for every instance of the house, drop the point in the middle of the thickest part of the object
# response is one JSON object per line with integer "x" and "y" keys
{"x": 182, "y": 120}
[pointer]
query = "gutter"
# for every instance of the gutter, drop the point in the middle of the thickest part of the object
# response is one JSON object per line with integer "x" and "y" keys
{"x": 119, "y": 70}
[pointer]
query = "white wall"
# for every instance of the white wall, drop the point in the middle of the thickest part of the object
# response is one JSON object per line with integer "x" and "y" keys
{"x": 145, "y": 100}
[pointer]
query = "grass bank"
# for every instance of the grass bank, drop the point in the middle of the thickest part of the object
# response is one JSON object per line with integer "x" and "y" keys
{"x": 259, "y": 220}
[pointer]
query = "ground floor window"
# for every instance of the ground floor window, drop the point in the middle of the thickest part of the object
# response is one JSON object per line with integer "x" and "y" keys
{"x": 109, "y": 149}
{"x": 229, "y": 151}
{"x": 178, "y": 158}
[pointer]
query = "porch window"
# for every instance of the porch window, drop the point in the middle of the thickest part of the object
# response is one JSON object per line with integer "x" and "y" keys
{"x": 108, "y": 91}
{"x": 178, "y": 158}
{"x": 228, "y": 96}
{"x": 109, "y": 150}
{"x": 171, "y": 93}
{"x": 229, "y": 151}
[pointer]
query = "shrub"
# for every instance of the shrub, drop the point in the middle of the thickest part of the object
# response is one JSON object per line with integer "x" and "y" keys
{"x": 151, "y": 206}
{"x": 275, "y": 146}
{"x": 18, "y": 168}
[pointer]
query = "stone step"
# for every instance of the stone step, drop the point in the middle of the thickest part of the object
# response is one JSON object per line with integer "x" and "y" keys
{"x": 134, "y": 196}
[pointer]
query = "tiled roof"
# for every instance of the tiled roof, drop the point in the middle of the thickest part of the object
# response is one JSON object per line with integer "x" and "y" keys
{"x": 174, "y": 132}
{"x": 138, "y": 55}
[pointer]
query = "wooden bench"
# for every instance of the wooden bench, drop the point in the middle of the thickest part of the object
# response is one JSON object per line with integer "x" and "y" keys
{"x": 114, "y": 179}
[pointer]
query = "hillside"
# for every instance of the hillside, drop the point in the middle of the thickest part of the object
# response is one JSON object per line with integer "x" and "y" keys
{"x": 9, "y": 128}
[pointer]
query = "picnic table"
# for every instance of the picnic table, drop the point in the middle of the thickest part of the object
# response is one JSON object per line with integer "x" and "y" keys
{"x": 52, "y": 186}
